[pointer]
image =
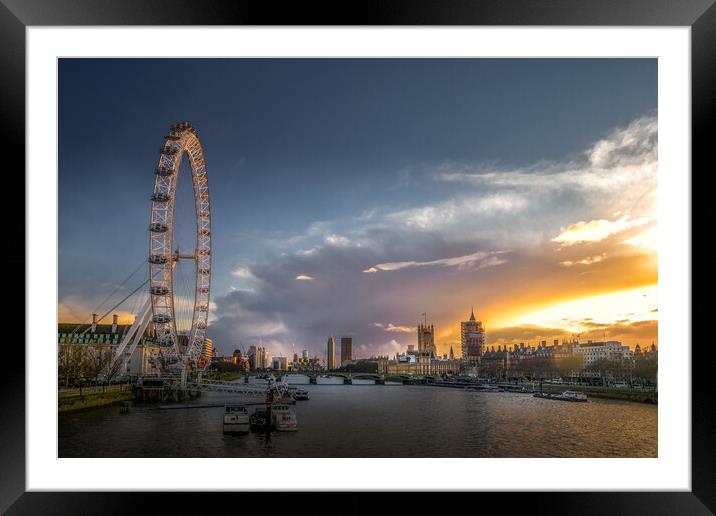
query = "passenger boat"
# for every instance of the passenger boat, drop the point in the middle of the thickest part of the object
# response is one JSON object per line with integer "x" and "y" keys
{"x": 236, "y": 419}
{"x": 258, "y": 421}
{"x": 301, "y": 394}
{"x": 283, "y": 418}
{"x": 565, "y": 396}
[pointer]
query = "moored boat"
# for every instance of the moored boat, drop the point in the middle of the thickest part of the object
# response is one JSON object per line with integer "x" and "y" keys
{"x": 301, "y": 394}
{"x": 236, "y": 419}
{"x": 565, "y": 396}
{"x": 258, "y": 421}
{"x": 283, "y": 418}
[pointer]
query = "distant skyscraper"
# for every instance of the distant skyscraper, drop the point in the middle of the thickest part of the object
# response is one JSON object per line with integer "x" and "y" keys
{"x": 426, "y": 339}
{"x": 304, "y": 355}
{"x": 331, "y": 354}
{"x": 472, "y": 335}
{"x": 253, "y": 358}
{"x": 346, "y": 349}
{"x": 208, "y": 350}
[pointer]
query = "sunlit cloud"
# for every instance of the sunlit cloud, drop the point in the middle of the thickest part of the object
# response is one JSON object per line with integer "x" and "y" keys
{"x": 579, "y": 314}
{"x": 647, "y": 240}
{"x": 474, "y": 261}
{"x": 596, "y": 230}
{"x": 395, "y": 328}
{"x": 560, "y": 221}
{"x": 627, "y": 156}
{"x": 589, "y": 260}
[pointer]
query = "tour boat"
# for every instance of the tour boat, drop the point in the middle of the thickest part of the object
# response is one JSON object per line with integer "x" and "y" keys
{"x": 565, "y": 396}
{"x": 258, "y": 420}
{"x": 301, "y": 394}
{"x": 236, "y": 419}
{"x": 283, "y": 418}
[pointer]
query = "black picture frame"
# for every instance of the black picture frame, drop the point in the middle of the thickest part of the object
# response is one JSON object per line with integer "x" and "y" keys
{"x": 700, "y": 15}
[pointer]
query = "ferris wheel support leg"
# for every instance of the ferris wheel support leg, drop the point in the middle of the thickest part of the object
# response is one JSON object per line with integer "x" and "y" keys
{"x": 140, "y": 321}
{"x": 137, "y": 337}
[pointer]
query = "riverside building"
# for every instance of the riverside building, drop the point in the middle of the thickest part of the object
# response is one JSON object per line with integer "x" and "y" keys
{"x": 472, "y": 338}
{"x": 95, "y": 339}
{"x": 331, "y": 354}
{"x": 346, "y": 350}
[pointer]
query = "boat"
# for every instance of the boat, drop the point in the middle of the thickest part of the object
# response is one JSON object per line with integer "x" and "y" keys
{"x": 258, "y": 421}
{"x": 236, "y": 419}
{"x": 565, "y": 396}
{"x": 283, "y": 418}
{"x": 301, "y": 394}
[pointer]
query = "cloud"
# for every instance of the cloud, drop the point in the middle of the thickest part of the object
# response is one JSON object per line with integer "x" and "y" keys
{"x": 457, "y": 211}
{"x": 524, "y": 333}
{"x": 618, "y": 171}
{"x": 338, "y": 240}
{"x": 596, "y": 230}
{"x": 436, "y": 234}
{"x": 627, "y": 156}
{"x": 647, "y": 240}
{"x": 474, "y": 261}
{"x": 622, "y": 330}
{"x": 589, "y": 260}
{"x": 395, "y": 328}
{"x": 242, "y": 272}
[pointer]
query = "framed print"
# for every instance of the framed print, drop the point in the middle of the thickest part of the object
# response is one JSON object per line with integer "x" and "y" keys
{"x": 442, "y": 249}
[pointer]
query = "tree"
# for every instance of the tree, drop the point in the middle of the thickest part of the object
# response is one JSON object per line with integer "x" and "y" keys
{"x": 97, "y": 360}
{"x": 646, "y": 369}
{"x": 70, "y": 362}
{"x": 566, "y": 366}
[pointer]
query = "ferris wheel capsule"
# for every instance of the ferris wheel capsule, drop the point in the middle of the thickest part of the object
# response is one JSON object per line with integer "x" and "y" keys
{"x": 159, "y": 290}
{"x": 169, "y": 151}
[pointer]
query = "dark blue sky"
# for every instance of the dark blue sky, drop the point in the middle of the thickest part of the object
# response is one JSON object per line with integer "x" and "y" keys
{"x": 291, "y": 142}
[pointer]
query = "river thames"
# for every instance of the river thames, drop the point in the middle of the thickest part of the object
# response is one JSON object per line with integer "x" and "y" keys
{"x": 366, "y": 420}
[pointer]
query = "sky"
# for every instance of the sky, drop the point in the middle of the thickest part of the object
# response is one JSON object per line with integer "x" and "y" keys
{"x": 351, "y": 196}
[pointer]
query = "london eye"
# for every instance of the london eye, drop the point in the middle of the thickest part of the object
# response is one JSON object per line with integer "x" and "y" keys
{"x": 179, "y": 354}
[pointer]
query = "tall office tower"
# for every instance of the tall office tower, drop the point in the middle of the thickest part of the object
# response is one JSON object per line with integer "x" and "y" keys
{"x": 207, "y": 350}
{"x": 253, "y": 358}
{"x": 331, "y": 354}
{"x": 346, "y": 350}
{"x": 426, "y": 339}
{"x": 472, "y": 335}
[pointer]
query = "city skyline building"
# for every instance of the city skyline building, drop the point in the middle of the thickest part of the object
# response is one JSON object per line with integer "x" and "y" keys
{"x": 346, "y": 350}
{"x": 426, "y": 339}
{"x": 472, "y": 339}
{"x": 331, "y": 354}
{"x": 208, "y": 348}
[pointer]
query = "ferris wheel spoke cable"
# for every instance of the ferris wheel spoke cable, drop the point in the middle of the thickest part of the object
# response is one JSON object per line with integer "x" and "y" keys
{"x": 117, "y": 305}
{"x": 116, "y": 289}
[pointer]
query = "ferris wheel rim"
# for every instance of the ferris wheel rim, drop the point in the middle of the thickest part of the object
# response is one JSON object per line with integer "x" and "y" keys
{"x": 181, "y": 140}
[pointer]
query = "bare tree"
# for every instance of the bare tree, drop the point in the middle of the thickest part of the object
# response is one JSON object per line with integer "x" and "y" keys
{"x": 71, "y": 362}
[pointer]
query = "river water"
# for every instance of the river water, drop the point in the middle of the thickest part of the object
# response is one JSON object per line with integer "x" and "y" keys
{"x": 366, "y": 420}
